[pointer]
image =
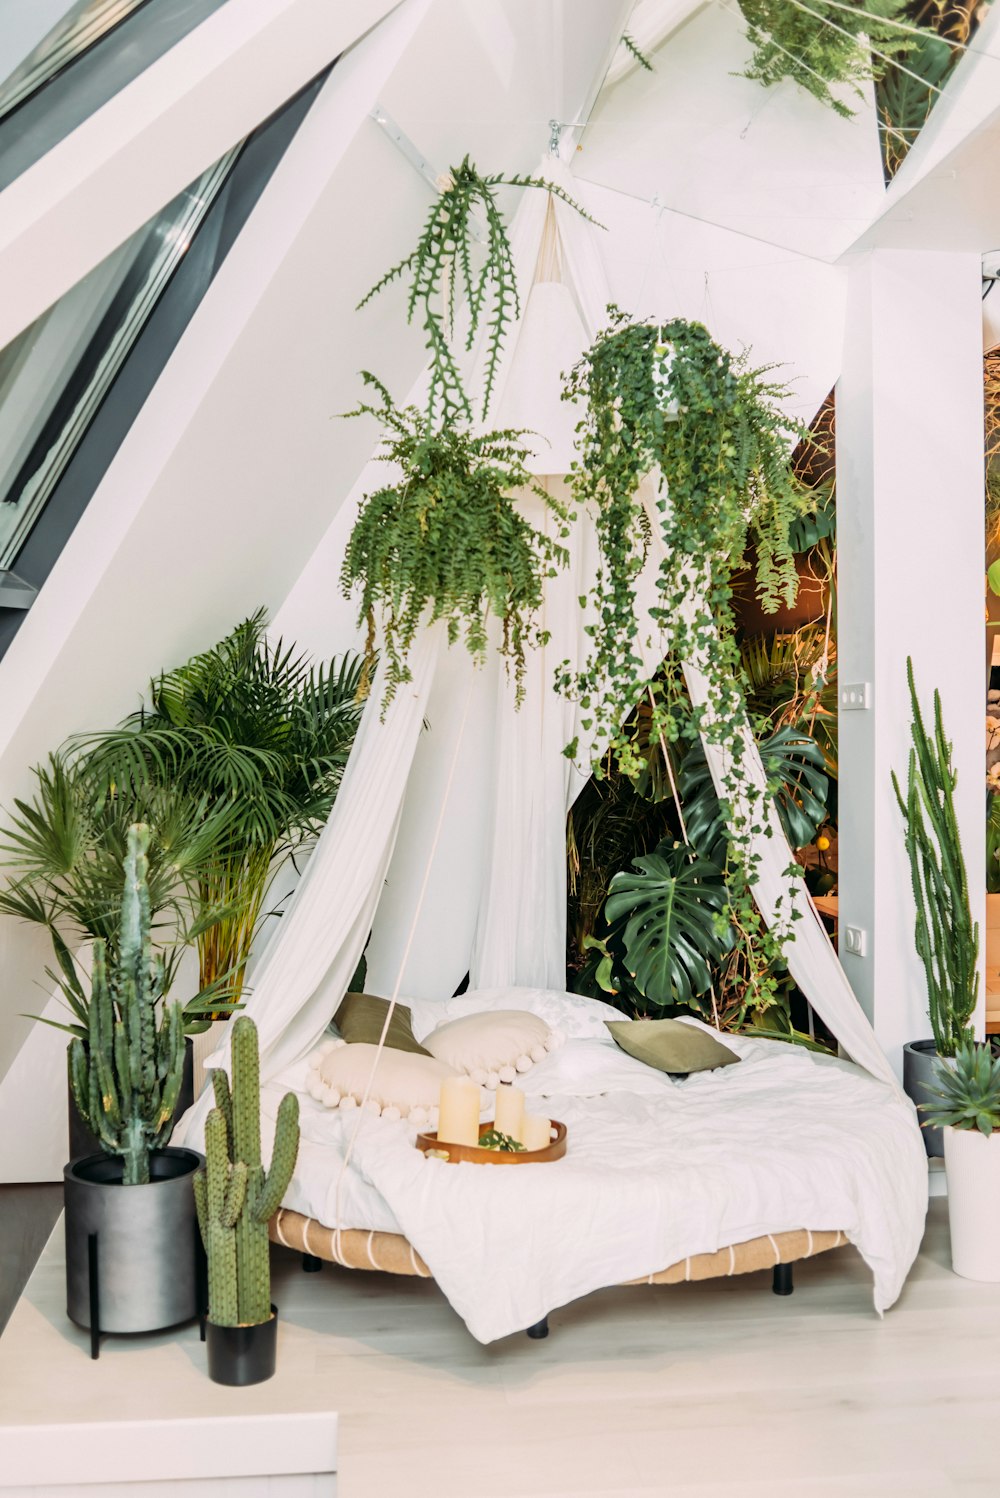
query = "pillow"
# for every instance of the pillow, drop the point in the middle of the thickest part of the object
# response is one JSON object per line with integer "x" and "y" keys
{"x": 573, "y": 1015}
{"x": 360, "y": 1019}
{"x": 405, "y": 1085}
{"x": 493, "y": 1048}
{"x": 671, "y": 1046}
{"x": 587, "y": 1068}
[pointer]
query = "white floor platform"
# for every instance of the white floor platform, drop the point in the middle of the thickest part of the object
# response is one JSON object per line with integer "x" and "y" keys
{"x": 720, "y": 1390}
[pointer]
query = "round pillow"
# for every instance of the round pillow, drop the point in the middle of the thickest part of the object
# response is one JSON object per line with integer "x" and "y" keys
{"x": 493, "y": 1047}
{"x": 405, "y": 1084}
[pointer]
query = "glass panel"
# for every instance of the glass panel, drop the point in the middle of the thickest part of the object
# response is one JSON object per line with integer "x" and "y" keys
{"x": 54, "y": 375}
{"x": 76, "y": 32}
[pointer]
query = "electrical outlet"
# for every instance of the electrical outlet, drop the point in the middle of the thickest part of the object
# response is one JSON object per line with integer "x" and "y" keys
{"x": 855, "y": 696}
{"x": 855, "y": 940}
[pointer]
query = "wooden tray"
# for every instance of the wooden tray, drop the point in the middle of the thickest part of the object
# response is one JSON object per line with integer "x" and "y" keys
{"x": 456, "y": 1154}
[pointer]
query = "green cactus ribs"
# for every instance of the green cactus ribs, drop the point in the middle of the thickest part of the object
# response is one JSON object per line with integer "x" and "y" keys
{"x": 235, "y": 1196}
{"x": 126, "y": 1080}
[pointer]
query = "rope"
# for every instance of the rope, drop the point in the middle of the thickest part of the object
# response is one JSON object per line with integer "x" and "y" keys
{"x": 411, "y": 936}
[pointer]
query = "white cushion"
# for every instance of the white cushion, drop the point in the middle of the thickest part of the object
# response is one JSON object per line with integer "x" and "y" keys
{"x": 495, "y": 1047}
{"x": 405, "y": 1085}
{"x": 572, "y": 1015}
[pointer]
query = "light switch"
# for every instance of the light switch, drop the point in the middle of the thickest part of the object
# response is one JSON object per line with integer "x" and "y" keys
{"x": 855, "y": 940}
{"x": 855, "y": 696}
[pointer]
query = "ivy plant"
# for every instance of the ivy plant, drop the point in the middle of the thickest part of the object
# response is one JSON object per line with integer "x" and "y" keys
{"x": 666, "y": 403}
{"x": 449, "y": 542}
{"x": 446, "y": 268}
{"x": 819, "y": 44}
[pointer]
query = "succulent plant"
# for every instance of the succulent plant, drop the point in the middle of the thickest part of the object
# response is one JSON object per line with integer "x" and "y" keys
{"x": 126, "y": 1080}
{"x": 968, "y": 1090}
{"x": 234, "y": 1195}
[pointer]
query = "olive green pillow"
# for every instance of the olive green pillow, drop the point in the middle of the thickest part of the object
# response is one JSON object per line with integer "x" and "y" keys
{"x": 360, "y": 1019}
{"x": 670, "y": 1045}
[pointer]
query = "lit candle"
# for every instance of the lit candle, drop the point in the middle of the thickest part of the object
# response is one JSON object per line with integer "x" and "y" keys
{"x": 537, "y": 1132}
{"x": 458, "y": 1117}
{"x": 510, "y": 1112}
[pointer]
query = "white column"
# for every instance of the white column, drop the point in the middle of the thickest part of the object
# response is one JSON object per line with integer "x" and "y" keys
{"x": 910, "y": 545}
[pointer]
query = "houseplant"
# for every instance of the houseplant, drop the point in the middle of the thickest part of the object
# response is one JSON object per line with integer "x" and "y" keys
{"x": 964, "y": 1103}
{"x": 947, "y": 938}
{"x": 134, "y": 1199}
{"x": 235, "y": 1199}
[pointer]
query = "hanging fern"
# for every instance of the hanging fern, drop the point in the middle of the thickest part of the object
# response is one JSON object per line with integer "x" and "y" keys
{"x": 445, "y": 266}
{"x": 816, "y": 44}
{"x": 448, "y": 542}
{"x": 667, "y": 400}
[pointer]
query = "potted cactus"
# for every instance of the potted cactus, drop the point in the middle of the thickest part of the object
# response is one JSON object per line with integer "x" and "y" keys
{"x": 130, "y": 1229}
{"x": 947, "y": 938}
{"x": 236, "y": 1198}
{"x": 964, "y": 1103}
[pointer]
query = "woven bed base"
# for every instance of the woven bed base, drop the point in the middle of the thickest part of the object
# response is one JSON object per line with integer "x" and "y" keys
{"x": 393, "y": 1254}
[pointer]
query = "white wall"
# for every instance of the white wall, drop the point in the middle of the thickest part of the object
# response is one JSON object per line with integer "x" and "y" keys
{"x": 910, "y": 549}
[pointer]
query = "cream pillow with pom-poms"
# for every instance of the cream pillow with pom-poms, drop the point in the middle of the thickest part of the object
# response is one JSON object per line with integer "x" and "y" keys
{"x": 493, "y": 1047}
{"x": 405, "y": 1085}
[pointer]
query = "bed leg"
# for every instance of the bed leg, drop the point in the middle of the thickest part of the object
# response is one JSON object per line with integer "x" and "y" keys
{"x": 782, "y": 1284}
{"x": 540, "y": 1329}
{"x": 310, "y": 1264}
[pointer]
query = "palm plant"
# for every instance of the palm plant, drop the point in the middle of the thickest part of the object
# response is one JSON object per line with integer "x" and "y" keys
{"x": 69, "y": 844}
{"x": 259, "y": 736}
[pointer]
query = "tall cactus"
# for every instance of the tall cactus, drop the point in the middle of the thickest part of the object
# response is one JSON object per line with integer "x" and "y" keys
{"x": 235, "y": 1197}
{"x": 947, "y": 938}
{"x": 126, "y": 1080}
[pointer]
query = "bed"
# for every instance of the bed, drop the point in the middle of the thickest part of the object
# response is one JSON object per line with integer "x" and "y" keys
{"x": 784, "y": 1156}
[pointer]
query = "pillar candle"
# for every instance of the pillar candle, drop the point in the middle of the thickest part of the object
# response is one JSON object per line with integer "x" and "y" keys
{"x": 458, "y": 1116}
{"x": 537, "y": 1133}
{"x": 510, "y": 1112}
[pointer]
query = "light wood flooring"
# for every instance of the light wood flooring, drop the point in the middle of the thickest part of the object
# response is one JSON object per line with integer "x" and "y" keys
{"x": 720, "y": 1390}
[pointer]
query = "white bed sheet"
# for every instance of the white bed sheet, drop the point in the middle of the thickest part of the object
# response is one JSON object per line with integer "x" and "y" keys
{"x": 656, "y": 1171}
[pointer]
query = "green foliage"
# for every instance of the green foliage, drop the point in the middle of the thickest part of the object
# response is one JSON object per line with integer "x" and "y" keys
{"x": 668, "y": 400}
{"x": 816, "y": 44}
{"x": 503, "y": 1143}
{"x": 796, "y": 777}
{"x": 947, "y": 938}
{"x": 70, "y": 843}
{"x": 235, "y": 1196}
{"x": 446, "y": 267}
{"x": 968, "y": 1090}
{"x": 671, "y": 916}
{"x": 791, "y": 682}
{"x": 632, "y": 46}
{"x": 910, "y": 87}
{"x": 126, "y": 1080}
{"x": 257, "y": 736}
{"x": 992, "y": 843}
{"x": 448, "y": 541}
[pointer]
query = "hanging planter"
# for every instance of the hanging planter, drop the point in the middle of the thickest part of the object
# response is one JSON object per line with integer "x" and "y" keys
{"x": 448, "y": 542}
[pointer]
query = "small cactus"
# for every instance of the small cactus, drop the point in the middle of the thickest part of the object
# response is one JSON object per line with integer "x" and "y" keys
{"x": 234, "y": 1195}
{"x": 126, "y": 1080}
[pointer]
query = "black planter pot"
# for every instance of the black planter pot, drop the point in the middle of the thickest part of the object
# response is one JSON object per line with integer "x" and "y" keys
{"x": 131, "y": 1251}
{"x": 81, "y": 1139}
{"x": 920, "y": 1063}
{"x": 240, "y": 1355}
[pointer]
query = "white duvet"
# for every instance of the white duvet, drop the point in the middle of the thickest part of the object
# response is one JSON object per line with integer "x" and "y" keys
{"x": 656, "y": 1170}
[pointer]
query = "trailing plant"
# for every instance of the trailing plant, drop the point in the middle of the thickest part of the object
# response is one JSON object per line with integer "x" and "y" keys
{"x": 947, "y": 938}
{"x": 127, "y": 1079}
{"x": 448, "y": 542}
{"x": 69, "y": 845}
{"x": 667, "y": 400}
{"x": 234, "y": 1195}
{"x": 258, "y": 736}
{"x": 967, "y": 1091}
{"x": 445, "y": 266}
{"x": 816, "y": 44}
{"x": 632, "y": 46}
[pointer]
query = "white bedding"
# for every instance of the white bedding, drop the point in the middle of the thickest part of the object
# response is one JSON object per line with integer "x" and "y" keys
{"x": 656, "y": 1170}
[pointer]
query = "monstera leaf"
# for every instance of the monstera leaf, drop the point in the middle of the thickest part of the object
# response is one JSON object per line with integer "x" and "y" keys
{"x": 667, "y": 914}
{"x": 795, "y": 770}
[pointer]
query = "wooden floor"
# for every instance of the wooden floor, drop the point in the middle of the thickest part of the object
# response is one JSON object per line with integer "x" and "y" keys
{"x": 721, "y": 1390}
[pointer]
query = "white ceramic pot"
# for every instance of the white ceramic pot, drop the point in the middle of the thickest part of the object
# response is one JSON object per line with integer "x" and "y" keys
{"x": 973, "y": 1164}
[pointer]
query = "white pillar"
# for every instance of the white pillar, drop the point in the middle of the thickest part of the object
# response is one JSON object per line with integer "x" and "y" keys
{"x": 911, "y": 561}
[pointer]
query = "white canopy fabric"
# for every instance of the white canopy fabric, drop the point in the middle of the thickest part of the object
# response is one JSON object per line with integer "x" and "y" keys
{"x": 521, "y": 931}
